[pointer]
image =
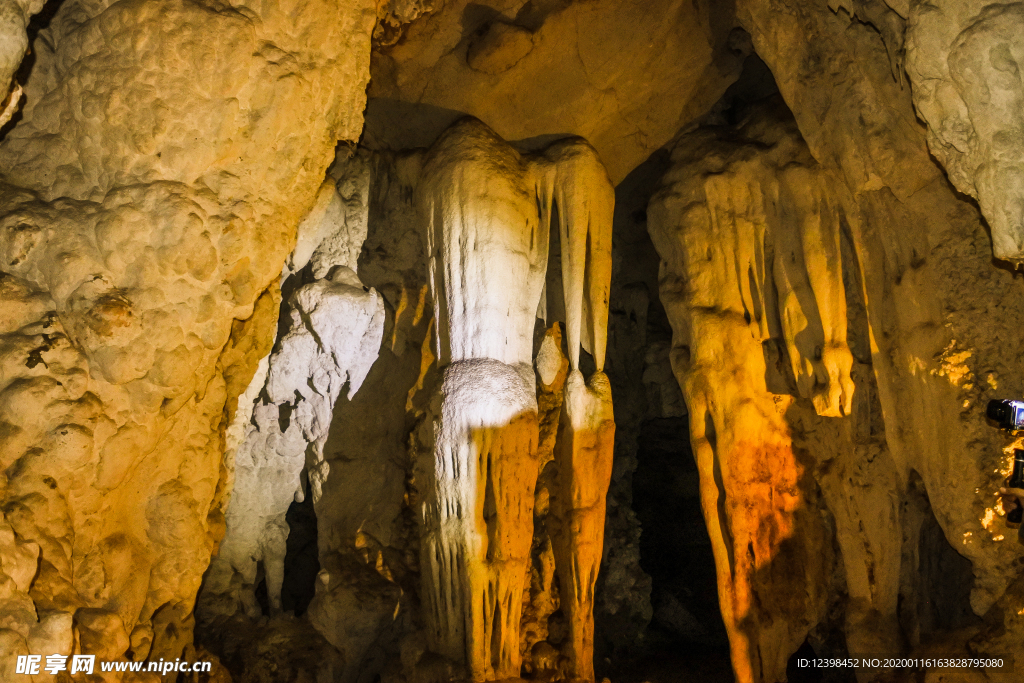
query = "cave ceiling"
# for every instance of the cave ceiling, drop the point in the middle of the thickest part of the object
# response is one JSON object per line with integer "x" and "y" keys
{"x": 551, "y": 68}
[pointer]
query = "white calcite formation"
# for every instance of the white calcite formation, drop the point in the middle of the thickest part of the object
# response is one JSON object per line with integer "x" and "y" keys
{"x": 277, "y": 441}
{"x": 488, "y": 212}
{"x": 333, "y": 336}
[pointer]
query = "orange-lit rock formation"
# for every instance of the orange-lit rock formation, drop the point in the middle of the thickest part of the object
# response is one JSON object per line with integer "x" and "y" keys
{"x": 583, "y": 457}
{"x": 14, "y": 18}
{"x": 861, "y": 245}
{"x": 753, "y": 287}
{"x": 937, "y": 309}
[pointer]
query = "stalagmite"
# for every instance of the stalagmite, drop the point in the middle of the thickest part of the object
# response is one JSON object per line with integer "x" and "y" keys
{"x": 583, "y": 454}
{"x": 584, "y": 458}
{"x": 488, "y": 211}
{"x": 487, "y": 271}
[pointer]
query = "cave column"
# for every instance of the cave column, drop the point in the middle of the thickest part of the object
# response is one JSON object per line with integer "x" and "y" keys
{"x": 586, "y": 434}
{"x": 752, "y": 284}
{"x": 486, "y": 273}
{"x": 487, "y": 211}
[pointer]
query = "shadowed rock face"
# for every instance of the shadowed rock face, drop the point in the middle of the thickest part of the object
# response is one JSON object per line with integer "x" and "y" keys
{"x": 963, "y": 59}
{"x": 14, "y": 19}
{"x": 579, "y": 62}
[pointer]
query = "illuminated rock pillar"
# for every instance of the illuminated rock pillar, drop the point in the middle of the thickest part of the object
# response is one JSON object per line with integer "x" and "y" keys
{"x": 752, "y": 282}
{"x": 487, "y": 211}
{"x": 486, "y": 273}
{"x": 586, "y": 438}
{"x": 584, "y": 458}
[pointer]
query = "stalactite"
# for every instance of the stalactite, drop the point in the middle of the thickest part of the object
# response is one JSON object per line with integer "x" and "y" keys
{"x": 752, "y": 282}
{"x": 488, "y": 210}
{"x": 585, "y": 448}
{"x": 572, "y": 176}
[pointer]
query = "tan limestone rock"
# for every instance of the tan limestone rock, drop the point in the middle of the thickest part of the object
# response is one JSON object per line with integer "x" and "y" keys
{"x": 165, "y": 155}
{"x": 962, "y": 58}
{"x": 538, "y": 69}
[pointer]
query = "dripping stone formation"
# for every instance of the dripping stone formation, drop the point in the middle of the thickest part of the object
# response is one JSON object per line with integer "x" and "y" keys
{"x": 312, "y": 312}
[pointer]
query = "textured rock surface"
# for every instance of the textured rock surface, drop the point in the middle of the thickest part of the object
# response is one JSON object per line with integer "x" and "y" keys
{"x": 14, "y": 18}
{"x": 365, "y": 600}
{"x": 583, "y": 456}
{"x": 932, "y": 295}
{"x": 333, "y": 336}
{"x": 751, "y": 281}
{"x": 480, "y": 59}
{"x": 152, "y": 189}
{"x": 963, "y": 58}
{"x": 324, "y": 352}
{"x": 838, "y": 327}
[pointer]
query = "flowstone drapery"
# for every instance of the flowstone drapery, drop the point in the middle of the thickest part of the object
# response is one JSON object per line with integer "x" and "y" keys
{"x": 752, "y": 282}
{"x": 487, "y": 211}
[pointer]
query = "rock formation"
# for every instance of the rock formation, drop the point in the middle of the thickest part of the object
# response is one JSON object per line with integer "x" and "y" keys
{"x": 352, "y": 422}
{"x": 488, "y": 212}
{"x": 963, "y": 58}
{"x": 743, "y": 217}
{"x": 331, "y": 339}
{"x": 754, "y": 287}
{"x": 14, "y": 18}
{"x": 152, "y": 188}
{"x": 334, "y": 333}
{"x": 478, "y": 58}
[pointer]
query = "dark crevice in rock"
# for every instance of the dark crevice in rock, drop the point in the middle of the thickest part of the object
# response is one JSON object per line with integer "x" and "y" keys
{"x": 301, "y": 561}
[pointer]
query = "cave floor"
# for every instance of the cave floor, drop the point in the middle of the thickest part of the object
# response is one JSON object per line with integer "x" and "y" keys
{"x": 684, "y": 666}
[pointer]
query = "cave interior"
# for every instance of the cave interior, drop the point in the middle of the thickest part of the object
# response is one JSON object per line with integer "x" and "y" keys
{"x": 437, "y": 341}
